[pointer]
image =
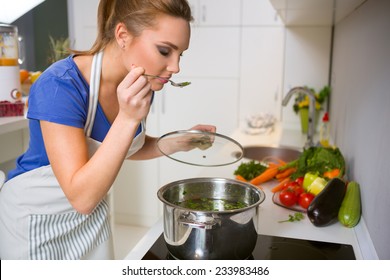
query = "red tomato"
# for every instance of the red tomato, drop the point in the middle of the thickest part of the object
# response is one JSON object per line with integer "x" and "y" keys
{"x": 298, "y": 190}
{"x": 292, "y": 184}
{"x": 287, "y": 197}
{"x": 299, "y": 180}
{"x": 305, "y": 199}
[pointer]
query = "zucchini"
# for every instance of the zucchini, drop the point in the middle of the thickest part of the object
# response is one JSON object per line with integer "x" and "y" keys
{"x": 350, "y": 210}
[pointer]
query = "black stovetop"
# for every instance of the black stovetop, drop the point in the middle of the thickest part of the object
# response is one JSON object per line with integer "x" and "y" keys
{"x": 275, "y": 248}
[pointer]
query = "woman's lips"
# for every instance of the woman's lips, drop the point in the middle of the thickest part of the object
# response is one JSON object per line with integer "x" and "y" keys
{"x": 163, "y": 80}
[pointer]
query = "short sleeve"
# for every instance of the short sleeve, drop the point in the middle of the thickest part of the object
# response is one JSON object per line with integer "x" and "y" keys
{"x": 60, "y": 95}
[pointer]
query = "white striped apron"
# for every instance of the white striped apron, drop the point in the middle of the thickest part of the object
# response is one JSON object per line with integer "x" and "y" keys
{"x": 36, "y": 219}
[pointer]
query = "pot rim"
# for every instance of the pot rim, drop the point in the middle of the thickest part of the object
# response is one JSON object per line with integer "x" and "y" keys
{"x": 258, "y": 191}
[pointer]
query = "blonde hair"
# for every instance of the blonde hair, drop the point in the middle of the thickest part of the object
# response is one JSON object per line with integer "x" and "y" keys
{"x": 136, "y": 15}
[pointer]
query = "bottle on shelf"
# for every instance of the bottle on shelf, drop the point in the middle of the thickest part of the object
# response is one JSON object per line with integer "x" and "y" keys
{"x": 325, "y": 130}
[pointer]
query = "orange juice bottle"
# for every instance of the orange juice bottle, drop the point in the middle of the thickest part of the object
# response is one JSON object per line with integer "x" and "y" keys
{"x": 6, "y": 61}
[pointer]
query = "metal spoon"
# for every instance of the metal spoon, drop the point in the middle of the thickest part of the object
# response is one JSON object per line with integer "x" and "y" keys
{"x": 182, "y": 84}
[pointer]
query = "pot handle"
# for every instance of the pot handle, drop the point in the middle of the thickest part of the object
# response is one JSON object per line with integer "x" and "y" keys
{"x": 184, "y": 220}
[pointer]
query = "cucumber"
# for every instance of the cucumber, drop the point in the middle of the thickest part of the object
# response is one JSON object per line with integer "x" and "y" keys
{"x": 350, "y": 210}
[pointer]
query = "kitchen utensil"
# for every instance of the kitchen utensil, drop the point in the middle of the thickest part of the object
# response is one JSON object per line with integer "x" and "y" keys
{"x": 182, "y": 84}
{"x": 200, "y": 148}
{"x": 9, "y": 62}
{"x": 214, "y": 234}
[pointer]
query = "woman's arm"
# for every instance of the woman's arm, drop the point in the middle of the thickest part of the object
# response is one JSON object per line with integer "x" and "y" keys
{"x": 86, "y": 181}
{"x": 148, "y": 151}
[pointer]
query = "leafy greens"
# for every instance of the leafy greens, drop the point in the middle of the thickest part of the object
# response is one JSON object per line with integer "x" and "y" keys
{"x": 250, "y": 170}
{"x": 317, "y": 160}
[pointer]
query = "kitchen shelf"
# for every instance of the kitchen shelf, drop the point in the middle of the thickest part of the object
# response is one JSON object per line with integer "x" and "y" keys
{"x": 9, "y": 124}
{"x": 314, "y": 12}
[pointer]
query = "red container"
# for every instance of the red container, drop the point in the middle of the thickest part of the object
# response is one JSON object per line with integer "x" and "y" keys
{"x": 9, "y": 109}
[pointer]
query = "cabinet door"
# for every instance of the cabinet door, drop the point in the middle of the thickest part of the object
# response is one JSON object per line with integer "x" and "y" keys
{"x": 82, "y": 23}
{"x": 135, "y": 188}
{"x": 261, "y": 70}
{"x": 213, "y": 52}
{"x": 205, "y": 101}
{"x": 216, "y": 12}
{"x": 259, "y": 13}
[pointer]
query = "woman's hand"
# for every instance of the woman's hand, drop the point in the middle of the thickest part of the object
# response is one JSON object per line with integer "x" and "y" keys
{"x": 205, "y": 127}
{"x": 189, "y": 141}
{"x": 134, "y": 95}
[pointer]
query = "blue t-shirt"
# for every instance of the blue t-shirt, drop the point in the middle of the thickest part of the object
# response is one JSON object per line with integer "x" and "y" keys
{"x": 60, "y": 95}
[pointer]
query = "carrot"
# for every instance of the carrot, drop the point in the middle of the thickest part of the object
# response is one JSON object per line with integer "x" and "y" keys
{"x": 273, "y": 164}
{"x": 267, "y": 175}
{"x": 271, "y": 159}
{"x": 281, "y": 185}
{"x": 240, "y": 178}
{"x": 285, "y": 173}
{"x": 332, "y": 173}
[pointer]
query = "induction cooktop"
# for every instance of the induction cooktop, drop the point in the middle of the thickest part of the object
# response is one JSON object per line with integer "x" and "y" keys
{"x": 275, "y": 248}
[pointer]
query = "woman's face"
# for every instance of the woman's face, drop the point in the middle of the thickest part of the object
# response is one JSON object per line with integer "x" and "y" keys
{"x": 158, "y": 49}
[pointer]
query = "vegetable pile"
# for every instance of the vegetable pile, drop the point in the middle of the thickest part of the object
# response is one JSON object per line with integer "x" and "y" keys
{"x": 321, "y": 160}
{"x": 326, "y": 162}
{"x": 309, "y": 181}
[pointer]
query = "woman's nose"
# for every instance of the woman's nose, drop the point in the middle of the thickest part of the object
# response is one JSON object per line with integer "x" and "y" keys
{"x": 174, "y": 67}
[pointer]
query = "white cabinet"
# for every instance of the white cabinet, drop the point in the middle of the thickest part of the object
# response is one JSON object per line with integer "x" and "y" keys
{"x": 14, "y": 138}
{"x": 135, "y": 193}
{"x": 261, "y": 59}
{"x": 82, "y": 23}
{"x": 314, "y": 12}
{"x": 205, "y": 101}
{"x": 213, "y": 52}
{"x": 261, "y": 71}
{"x": 259, "y": 13}
{"x": 216, "y": 12}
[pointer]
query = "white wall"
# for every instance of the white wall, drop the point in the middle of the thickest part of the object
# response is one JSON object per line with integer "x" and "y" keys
{"x": 307, "y": 57}
{"x": 360, "y": 110}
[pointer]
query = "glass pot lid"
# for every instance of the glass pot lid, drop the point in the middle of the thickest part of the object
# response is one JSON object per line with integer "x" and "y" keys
{"x": 200, "y": 148}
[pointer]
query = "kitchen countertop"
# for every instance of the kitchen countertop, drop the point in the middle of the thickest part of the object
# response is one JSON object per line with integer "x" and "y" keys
{"x": 269, "y": 213}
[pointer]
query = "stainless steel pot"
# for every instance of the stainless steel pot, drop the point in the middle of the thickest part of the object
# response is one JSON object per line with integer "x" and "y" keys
{"x": 217, "y": 234}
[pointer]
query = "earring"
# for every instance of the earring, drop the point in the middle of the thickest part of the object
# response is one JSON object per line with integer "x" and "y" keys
{"x": 123, "y": 46}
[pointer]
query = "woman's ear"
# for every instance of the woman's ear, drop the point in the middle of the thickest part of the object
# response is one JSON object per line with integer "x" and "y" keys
{"x": 122, "y": 35}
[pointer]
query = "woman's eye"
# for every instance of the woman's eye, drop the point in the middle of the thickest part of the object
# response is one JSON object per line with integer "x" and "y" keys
{"x": 163, "y": 51}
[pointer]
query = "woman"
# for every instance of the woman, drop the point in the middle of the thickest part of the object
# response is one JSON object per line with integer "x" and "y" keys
{"x": 87, "y": 114}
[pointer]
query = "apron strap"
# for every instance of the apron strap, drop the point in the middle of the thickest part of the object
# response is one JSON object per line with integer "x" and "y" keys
{"x": 94, "y": 85}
